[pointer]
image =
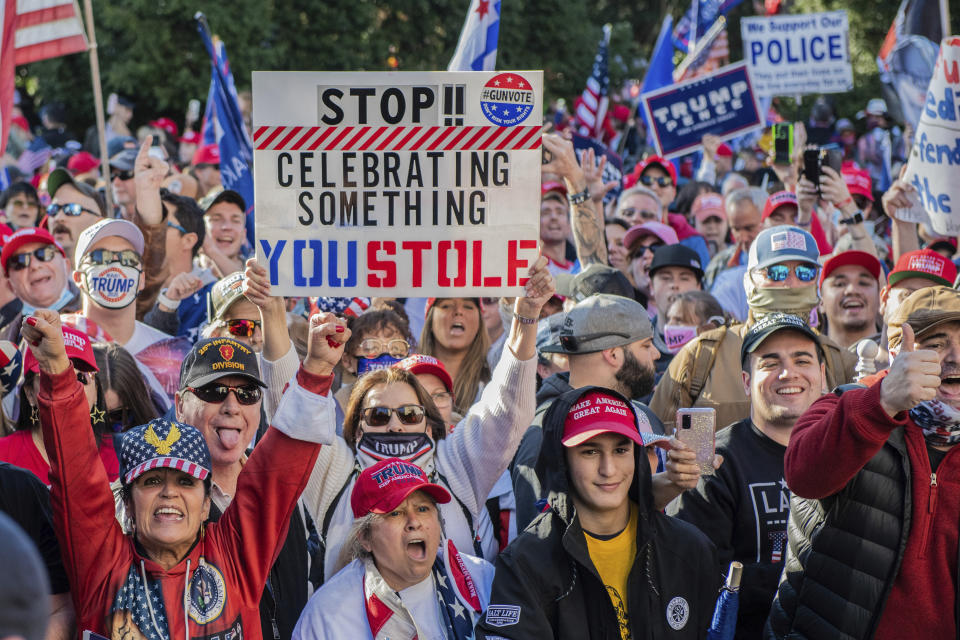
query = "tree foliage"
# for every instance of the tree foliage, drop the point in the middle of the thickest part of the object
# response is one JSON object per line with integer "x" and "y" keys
{"x": 150, "y": 49}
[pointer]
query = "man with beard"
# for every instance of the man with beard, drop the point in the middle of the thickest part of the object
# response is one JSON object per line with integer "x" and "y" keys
{"x": 75, "y": 207}
{"x": 873, "y": 533}
{"x": 743, "y": 507}
{"x": 675, "y": 269}
{"x": 850, "y": 297}
{"x": 608, "y": 341}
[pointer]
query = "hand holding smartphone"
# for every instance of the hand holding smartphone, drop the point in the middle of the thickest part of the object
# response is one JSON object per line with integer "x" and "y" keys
{"x": 696, "y": 428}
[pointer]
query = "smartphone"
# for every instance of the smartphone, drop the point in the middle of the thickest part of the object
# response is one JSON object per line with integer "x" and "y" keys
{"x": 783, "y": 143}
{"x": 832, "y": 157}
{"x": 811, "y": 166}
{"x": 696, "y": 428}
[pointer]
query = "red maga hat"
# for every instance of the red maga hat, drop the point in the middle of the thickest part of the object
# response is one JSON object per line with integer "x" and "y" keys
{"x": 596, "y": 413}
{"x": 420, "y": 363}
{"x": 384, "y": 486}
{"x": 79, "y": 350}
{"x": 846, "y": 258}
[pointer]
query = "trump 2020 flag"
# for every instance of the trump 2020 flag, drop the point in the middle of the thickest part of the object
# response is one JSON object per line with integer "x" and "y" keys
{"x": 477, "y": 49}
{"x": 236, "y": 150}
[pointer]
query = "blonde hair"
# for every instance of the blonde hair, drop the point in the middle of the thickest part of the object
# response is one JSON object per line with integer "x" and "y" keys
{"x": 474, "y": 369}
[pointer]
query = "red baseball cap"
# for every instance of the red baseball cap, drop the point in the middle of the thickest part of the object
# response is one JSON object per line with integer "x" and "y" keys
{"x": 846, "y": 258}
{"x": 207, "y": 154}
{"x": 27, "y": 236}
{"x": 777, "y": 200}
{"x": 708, "y": 204}
{"x": 596, "y": 413}
{"x": 663, "y": 163}
{"x": 858, "y": 182}
{"x": 167, "y": 125}
{"x": 79, "y": 350}
{"x": 922, "y": 263}
{"x": 420, "y": 363}
{"x": 384, "y": 486}
{"x": 548, "y": 187}
{"x": 190, "y": 137}
{"x": 724, "y": 150}
{"x": 82, "y": 162}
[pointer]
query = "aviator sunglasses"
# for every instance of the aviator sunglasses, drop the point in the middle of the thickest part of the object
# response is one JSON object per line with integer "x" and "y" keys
{"x": 380, "y": 416}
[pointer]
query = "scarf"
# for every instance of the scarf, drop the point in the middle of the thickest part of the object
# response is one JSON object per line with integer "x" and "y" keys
{"x": 456, "y": 592}
{"x": 939, "y": 422}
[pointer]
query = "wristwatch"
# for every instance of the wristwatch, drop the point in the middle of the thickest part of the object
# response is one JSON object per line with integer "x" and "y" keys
{"x": 854, "y": 219}
{"x": 579, "y": 198}
{"x": 162, "y": 299}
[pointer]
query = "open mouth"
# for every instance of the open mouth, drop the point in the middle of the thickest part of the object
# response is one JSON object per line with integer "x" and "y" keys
{"x": 168, "y": 514}
{"x": 950, "y": 385}
{"x": 457, "y": 328}
{"x": 852, "y": 304}
{"x": 39, "y": 282}
{"x": 229, "y": 438}
{"x": 417, "y": 549}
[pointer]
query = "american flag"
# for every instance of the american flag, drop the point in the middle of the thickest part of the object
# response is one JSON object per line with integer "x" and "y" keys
{"x": 699, "y": 17}
{"x": 593, "y": 102}
{"x": 343, "y": 307}
{"x": 32, "y": 30}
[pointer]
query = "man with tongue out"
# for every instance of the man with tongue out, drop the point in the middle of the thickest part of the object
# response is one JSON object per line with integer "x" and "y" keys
{"x": 875, "y": 476}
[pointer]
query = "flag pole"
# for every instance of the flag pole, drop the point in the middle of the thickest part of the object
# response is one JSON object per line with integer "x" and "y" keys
{"x": 98, "y": 103}
{"x": 945, "y": 18}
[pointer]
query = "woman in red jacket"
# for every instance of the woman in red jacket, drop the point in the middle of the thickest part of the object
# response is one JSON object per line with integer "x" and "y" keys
{"x": 177, "y": 578}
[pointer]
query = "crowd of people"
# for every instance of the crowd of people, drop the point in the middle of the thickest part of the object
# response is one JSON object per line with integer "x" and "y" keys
{"x": 187, "y": 455}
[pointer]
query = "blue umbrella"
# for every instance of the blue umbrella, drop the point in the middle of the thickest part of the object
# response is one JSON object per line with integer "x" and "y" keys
{"x": 724, "y": 623}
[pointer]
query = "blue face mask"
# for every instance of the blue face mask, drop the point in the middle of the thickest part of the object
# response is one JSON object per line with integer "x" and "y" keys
{"x": 382, "y": 361}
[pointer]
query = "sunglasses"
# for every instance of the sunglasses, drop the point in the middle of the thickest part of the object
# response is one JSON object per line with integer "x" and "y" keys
{"x": 780, "y": 272}
{"x": 371, "y": 348}
{"x": 177, "y": 227}
{"x": 642, "y": 251}
{"x": 71, "y": 209}
{"x": 573, "y": 343}
{"x": 243, "y": 328}
{"x": 117, "y": 416}
{"x": 84, "y": 378}
{"x": 123, "y": 175}
{"x": 216, "y": 393}
{"x": 21, "y": 261}
{"x": 380, "y": 416}
{"x": 126, "y": 258}
{"x": 663, "y": 181}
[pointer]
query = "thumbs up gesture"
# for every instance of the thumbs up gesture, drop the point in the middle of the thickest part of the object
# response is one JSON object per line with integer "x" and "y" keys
{"x": 913, "y": 378}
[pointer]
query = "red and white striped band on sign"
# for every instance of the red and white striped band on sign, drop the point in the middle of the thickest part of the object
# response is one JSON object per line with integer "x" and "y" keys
{"x": 186, "y": 466}
{"x": 363, "y": 138}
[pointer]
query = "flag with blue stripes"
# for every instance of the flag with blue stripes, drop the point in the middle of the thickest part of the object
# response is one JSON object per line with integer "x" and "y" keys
{"x": 477, "y": 48}
{"x": 236, "y": 149}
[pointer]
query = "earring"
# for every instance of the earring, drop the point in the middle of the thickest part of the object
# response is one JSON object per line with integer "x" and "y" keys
{"x": 97, "y": 415}
{"x": 34, "y": 414}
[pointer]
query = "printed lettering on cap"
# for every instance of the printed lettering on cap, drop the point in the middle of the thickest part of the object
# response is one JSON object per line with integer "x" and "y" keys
{"x": 591, "y": 406}
{"x": 76, "y": 340}
{"x": 502, "y": 615}
{"x": 788, "y": 240}
{"x": 927, "y": 264}
{"x": 397, "y": 471}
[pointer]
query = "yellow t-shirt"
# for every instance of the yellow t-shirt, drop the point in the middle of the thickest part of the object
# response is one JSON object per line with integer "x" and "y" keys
{"x": 613, "y": 558}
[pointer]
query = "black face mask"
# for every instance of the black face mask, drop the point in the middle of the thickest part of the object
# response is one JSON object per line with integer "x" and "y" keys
{"x": 637, "y": 380}
{"x": 406, "y": 446}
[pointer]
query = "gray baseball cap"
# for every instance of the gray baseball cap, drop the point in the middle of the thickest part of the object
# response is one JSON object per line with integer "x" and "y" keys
{"x": 602, "y": 321}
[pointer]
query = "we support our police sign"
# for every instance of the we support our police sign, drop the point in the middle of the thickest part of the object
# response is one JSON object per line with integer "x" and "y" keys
{"x": 722, "y": 103}
{"x": 790, "y": 55}
{"x": 935, "y": 157}
{"x": 397, "y": 184}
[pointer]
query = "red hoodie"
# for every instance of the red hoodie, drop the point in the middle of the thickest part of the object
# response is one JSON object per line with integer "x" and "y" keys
{"x": 830, "y": 443}
{"x": 212, "y": 593}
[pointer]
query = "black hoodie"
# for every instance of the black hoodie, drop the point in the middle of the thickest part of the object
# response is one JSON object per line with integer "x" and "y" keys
{"x": 546, "y": 585}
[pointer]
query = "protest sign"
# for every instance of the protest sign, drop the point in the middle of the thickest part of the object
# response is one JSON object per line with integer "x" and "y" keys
{"x": 612, "y": 171}
{"x": 935, "y": 156}
{"x": 722, "y": 103}
{"x": 397, "y": 184}
{"x": 790, "y": 55}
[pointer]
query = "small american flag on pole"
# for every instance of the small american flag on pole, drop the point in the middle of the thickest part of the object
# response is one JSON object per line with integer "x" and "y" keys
{"x": 593, "y": 100}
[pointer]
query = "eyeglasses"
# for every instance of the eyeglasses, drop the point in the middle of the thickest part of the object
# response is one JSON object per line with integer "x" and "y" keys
{"x": 573, "y": 343}
{"x": 780, "y": 272}
{"x": 23, "y": 203}
{"x": 177, "y": 227}
{"x": 371, "y": 348}
{"x": 126, "y": 258}
{"x": 216, "y": 393}
{"x": 243, "y": 328}
{"x": 406, "y": 414}
{"x": 629, "y": 213}
{"x": 663, "y": 181}
{"x": 21, "y": 261}
{"x": 442, "y": 399}
{"x": 71, "y": 209}
{"x": 123, "y": 175}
